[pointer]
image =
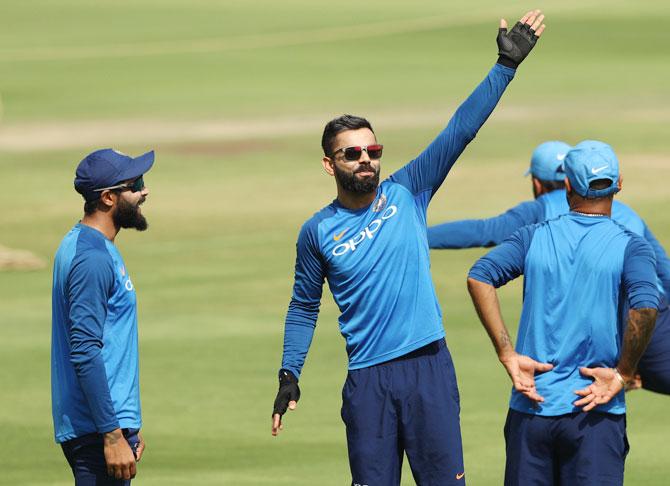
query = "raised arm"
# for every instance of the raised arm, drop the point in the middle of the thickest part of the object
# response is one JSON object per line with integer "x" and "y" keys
{"x": 429, "y": 169}
{"x": 499, "y": 266}
{"x": 475, "y": 233}
{"x": 301, "y": 318}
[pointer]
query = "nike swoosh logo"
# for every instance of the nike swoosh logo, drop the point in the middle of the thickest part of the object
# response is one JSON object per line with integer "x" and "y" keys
{"x": 337, "y": 237}
{"x": 599, "y": 169}
{"x": 460, "y": 476}
{"x": 560, "y": 156}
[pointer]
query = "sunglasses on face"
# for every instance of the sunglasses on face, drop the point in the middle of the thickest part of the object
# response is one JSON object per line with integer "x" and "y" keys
{"x": 354, "y": 153}
{"x": 133, "y": 186}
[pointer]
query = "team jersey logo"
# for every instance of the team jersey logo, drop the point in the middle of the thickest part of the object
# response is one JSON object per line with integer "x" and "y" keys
{"x": 339, "y": 236}
{"x": 367, "y": 234}
{"x": 380, "y": 204}
{"x": 127, "y": 283}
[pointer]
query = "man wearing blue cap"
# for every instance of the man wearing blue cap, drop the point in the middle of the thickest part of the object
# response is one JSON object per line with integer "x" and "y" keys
{"x": 547, "y": 177}
{"x": 575, "y": 351}
{"x": 94, "y": 357}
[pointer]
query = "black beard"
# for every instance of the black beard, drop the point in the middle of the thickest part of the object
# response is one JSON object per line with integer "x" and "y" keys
{"x": 128, "y": 215}
{"x": 350, "y": 183}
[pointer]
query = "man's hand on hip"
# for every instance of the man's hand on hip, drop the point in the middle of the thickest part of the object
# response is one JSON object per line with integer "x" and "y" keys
{"x": 515, "y": 45}
{"x": 287, "y": 398}
{"x": 606, "y": 384}
{"x": 521, "y": 370}
{"x": 119, "y": 456}
{"x": 140, "y": 447}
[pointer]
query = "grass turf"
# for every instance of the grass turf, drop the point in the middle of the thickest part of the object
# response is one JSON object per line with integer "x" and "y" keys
{"x": 214, "y": 271}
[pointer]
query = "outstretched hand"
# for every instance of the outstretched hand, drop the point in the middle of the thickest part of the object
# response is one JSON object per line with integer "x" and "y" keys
{"x": 515, "y": 45}
{"x": 606, "y": 385}
{"x": 521, "y": 369}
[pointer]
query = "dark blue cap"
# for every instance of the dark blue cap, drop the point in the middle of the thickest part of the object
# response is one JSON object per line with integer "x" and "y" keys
{"x": 106, "y": 168}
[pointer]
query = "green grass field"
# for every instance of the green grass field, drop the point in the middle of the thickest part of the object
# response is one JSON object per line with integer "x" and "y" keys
{"x": 233, "y": 96}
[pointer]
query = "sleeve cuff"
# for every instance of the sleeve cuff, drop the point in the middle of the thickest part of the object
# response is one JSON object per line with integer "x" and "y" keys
{"x": 108, "y": 427}
{"x": 480, "y": 276}
{"x": 508, "y": 63}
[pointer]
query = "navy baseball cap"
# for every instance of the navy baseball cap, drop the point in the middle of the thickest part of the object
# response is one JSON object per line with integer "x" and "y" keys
{"x": 589, "y": 161}
{"x": 107, "y": 168}
{"x": 546, "y": 163}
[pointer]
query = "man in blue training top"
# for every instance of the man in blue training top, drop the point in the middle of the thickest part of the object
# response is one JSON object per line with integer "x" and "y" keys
{"x": 400, "y": 395}
{"x": 94, "y": 358}
{"x": 575, "y": 352}
{"x": 547, "y": 178}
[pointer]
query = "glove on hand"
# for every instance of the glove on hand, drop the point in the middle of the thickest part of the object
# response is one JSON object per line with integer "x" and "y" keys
{"x": 514, "y": 46}
{"x": 288, "y": 391}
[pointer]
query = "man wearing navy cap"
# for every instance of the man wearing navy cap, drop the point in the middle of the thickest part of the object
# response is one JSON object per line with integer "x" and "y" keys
{"x": 94, "y": 358}
{"x": 547, "y": 177}
{"x": 577, "y": 346}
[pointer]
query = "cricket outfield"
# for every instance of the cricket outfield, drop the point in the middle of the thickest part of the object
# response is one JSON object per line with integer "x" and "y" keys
{"x": 233, "y": 97}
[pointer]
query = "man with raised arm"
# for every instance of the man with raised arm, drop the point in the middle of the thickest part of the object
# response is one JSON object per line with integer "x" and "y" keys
{"x": 575, "y": 351}
{"x": 370, "y": 243}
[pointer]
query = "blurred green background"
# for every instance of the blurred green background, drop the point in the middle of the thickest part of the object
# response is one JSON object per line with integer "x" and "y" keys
{"x": 233, "y": 96}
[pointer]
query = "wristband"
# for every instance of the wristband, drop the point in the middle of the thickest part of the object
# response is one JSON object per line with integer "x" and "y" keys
{"x": 619, "y": 377}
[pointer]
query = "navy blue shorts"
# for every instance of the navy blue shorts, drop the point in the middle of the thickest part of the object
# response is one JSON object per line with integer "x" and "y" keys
{"x": 86, "y": 457}
{"x": 574, "y": 449}
{"x": 407, "y": 405}
{"x": 654, "y": 367}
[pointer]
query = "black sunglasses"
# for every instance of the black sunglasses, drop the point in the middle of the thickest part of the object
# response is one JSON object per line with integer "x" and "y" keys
{"x": 354, "y": 153}
{"x": 134, "y": 186}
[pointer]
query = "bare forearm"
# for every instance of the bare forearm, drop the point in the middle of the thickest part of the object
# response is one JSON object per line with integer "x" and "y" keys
{"x": 486, "y": 303}
{"x": 635, "y": 339}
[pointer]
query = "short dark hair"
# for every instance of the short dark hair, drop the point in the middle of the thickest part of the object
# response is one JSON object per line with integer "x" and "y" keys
{"x": 552, "y": 185}
{"x": 599, "y": 184}
{"x": 340, "y": 124}
{"x": 91, "y": 207}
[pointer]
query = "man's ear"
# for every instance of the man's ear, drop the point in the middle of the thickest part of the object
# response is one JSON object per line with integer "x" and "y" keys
{"x": 537, "y": 186}
{"x": 108, "y": 199}
{"x": 620, "y": 182}
{"x": 328, "y": 165}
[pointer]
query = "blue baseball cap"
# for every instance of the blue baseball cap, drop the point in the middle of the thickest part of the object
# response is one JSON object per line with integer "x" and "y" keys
{"x": 107, "y": 168}
{"x": 546, "y": 163}
{"x": 589, "y": 161}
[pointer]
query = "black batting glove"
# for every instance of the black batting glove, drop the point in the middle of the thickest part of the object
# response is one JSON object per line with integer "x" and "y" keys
{"x": 288, "y": 391}
{"x": 515, "y": 45}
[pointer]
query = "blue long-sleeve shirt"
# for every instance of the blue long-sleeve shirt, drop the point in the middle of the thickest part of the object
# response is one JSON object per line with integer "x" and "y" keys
{"x": 376, "y": 259}
{"x": 474, "y": 233}
{"x": 94, "y": 355}
{"x": 580, "y": 273}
